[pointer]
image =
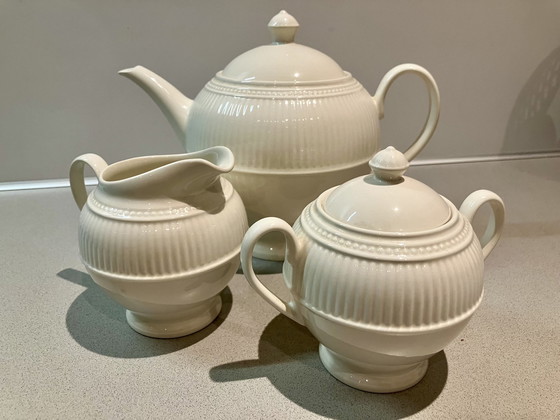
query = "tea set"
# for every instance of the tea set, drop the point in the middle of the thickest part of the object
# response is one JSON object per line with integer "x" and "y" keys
{"x": 281, "y": 165}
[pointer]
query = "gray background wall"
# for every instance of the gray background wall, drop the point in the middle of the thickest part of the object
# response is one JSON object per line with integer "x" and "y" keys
{"x": 497, "y": 63}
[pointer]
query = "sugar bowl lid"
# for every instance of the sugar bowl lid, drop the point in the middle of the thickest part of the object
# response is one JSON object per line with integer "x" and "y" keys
{"x": 283, "y": 61}
{"x": 387, "y": 201}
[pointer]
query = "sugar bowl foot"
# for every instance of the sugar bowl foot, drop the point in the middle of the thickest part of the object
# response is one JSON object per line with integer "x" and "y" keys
{"x": 370, "y": 377}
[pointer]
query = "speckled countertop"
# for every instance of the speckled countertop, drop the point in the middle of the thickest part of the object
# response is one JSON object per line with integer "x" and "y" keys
{"x": 67, "y": 352}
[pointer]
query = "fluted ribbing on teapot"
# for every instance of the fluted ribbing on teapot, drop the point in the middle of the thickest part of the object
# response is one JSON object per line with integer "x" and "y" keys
{"x": 325, "y": 133}
{"x": 417, "y": 281}
{"x": 177, "y": 243}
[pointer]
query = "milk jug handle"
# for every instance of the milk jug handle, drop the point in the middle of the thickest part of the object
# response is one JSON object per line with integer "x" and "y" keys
{"x": 293, "y": 256}
{"x": 495, "y": 225}
{"x": 433, "y": 115}
{"x": 77, "y": 182}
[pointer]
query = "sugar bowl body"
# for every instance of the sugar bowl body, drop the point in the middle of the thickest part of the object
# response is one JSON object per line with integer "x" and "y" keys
{"x": 282, "y": 109}
{"x": 383, "y": 271}
{"x": 161, "y": 236}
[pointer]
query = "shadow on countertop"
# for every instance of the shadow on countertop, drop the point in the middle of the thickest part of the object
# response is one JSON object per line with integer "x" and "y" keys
{"x": 289, "y": 358}
{"x": 99, "y": 324}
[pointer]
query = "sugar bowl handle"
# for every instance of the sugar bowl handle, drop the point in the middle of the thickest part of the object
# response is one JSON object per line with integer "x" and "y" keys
{"x": 293, "y": 257}
{"x": 495, "y": 223}
{"x": 433, "y": 91}
{"x": 77, "y": 183}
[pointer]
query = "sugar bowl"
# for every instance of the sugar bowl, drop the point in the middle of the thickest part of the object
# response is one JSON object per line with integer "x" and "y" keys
{"x": 383, "y": 271}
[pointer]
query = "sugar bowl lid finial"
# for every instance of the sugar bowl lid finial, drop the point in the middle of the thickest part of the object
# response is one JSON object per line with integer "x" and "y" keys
{"x": 386, "y": 200}
{"x": 389, "y": 165}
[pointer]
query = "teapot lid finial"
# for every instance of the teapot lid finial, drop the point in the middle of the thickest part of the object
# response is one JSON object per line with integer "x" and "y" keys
{"x": 283, "y": 28}
{"x": 283, "y": 63}
{"x": 389, "y": 165}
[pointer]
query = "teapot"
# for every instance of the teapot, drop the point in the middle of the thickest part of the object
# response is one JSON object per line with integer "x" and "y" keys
{"x": 161, "y": 235}
{"x": 383, "y": 271}
{"x": 283, "y": 109}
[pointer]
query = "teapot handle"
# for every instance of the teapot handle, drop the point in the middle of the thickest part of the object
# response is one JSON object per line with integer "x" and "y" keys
{"x": 433, "y": 116}
{"x": 77, "y": 182}
{"x": 495, "y": 224}
{"x": 293, "y": 257}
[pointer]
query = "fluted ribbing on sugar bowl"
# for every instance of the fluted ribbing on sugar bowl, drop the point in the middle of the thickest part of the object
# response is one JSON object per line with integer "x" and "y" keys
{"x": 427, "y": 280}
{"x": 384, "y": 271}
{"x": 161, "y": 235}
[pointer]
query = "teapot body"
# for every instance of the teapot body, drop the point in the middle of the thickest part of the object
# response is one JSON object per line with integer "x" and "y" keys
{"x": 165, "y": 259}
{"x": 286, "y": 140}
{"x": 297, "y": 123}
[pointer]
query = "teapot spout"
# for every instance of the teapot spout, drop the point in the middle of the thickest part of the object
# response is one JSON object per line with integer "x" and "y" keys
{"x": 174, "y": 105}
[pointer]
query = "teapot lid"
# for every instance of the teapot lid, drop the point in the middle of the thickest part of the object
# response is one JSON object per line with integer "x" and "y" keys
{"x": 283, "y": 61}
{"x": 387, "y": 201}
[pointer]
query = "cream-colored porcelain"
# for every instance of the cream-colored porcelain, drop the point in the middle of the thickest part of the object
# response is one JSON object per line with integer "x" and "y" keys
{"x": 296, "y": 122}
{"x": 383, "y": 271}
{"x": 161, "y": 235}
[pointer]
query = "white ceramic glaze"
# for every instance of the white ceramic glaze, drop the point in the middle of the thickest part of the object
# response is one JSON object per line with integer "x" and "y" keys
{"x": 161, "y": 235}
{"x": 381, "y": 293}
{"x": 296, "y": 122}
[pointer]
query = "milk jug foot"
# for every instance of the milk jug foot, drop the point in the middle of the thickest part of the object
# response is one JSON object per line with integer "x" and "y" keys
{"x": 176, "y": 324}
